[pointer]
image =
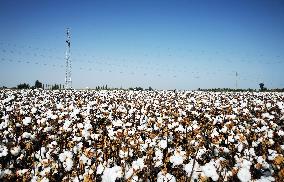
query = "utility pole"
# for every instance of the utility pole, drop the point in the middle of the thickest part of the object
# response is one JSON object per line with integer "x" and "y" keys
{"x": 236, "y": 80}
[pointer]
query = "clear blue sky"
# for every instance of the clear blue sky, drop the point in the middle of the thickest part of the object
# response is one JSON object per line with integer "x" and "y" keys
{"x": 165, "y": 44}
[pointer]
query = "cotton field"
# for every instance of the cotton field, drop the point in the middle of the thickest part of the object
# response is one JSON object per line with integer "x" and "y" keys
{"x": 163, "y": 136}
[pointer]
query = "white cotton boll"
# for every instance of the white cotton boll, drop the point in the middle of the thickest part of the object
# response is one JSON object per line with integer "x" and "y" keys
{"x": 4, "y": 125}
{"x": 59, "y": 106}
{"x": 268, "y": 105}
{"x": 111, "y": 133}
{"x": 84, "y": 159}
{"x": 189, "y": 167}
{"x": 66, "y": 124}
{"x": 265, "y": 115}
{"x": 240, "y": 147}
{"x": 200, "y": 152}
{"x": 165, "y": 177}
{"x": 34, "y": 110}
{"x": 163, "y": 144}
{"x": 158, "y": 163}
{"x": 231, "y": 139}
{"x": 158, "y": 155}
{"x": 3, "y": 151}
{"x": 271, "y": 141}
{"x": 45, "y": 179}
{"x": 224, "y": 129}
{"x": 122, "y": 154}
{"x": 53, "y": 117}
{"x": 95, "y": 136}
{"x": 111, "y": 174}
{"x": 252, "y": 152}
{"x": 265, "y": 179}
{"x": 225, "y": 149}
{"x": 176, "y": 159}
{"x": 280, "y": 133}
{"x": 62, "y": 157}
{"x": 214, "y": 133}
{"x": 270, "y": 133}
{"x": 129, "y": 173}
{"x": 22, "y": 172}
{"x": 86, "y": 134}
{"x": 26, "y": 135}
{"x": 80, "y": 125}
{"x": 128, "y": 124}
{"x": 244, "y": 174}
{"x": 68, "y": 164}
{"x": 34, "y": 179}
{"x": 195, "y": 126}
{"x": 209, "y": 170}
{"x": 272, "y": 154}
{"x": 76, "y": 179}
{"x": 181, "y": 129}
{"x": 138, "y": 164}
{"x": 117, "y": 122}
{"x": 47, "y": 129}
{"x": 90, "y": 171}
{"x": 100, "y": 169}
{"x": 15, "y": 150}
{"x": 27, "y": 121}
{"x": 88, "y": 125}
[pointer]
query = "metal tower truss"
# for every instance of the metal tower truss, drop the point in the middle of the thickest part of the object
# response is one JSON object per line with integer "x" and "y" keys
{"x": 68, "y": 80}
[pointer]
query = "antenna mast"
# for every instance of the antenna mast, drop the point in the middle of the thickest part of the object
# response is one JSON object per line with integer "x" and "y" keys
{"x": 68, "y": 80}
{"x": 236, "y": 80}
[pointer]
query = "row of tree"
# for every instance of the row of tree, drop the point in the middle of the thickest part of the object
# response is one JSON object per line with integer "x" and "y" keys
{"x": 105, "y": 87}
{"x": 38, "y": 85}
{"x": 261, "y": 89}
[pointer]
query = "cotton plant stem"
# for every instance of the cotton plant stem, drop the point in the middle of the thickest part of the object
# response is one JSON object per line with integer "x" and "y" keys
{"x": 193, "y": 165}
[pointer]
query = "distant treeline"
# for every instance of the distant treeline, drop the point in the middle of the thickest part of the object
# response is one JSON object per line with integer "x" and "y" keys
{"x": 37, "y": 85}
{"x": 131, "y": 88}
{"x": 241, "y": 90}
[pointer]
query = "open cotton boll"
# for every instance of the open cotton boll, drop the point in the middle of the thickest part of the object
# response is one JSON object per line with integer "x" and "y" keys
{"x": 177, "y": 158}
{"x": 265, "y": 179}
{"x": 85, "y": 159}
{"x": 26, "y": 135}
{"x": 33, "y": 110}
{"x": 27, "y": 121}
{"x": 280, "y": 133}
{"x": 129, "y": 173}
{"x": 210, "y": 170}
{"x": 3, "y": 151}
{"x": 189, "y": 167}
{"x": 165, "y": 177}
{"x": 68, "y": 164}
{"x": 117, "y": 123}
{"x": 100, "y": 169}
{"x": 111, "y": 174}
{"x": 163, "y": 144}
{"x": 244, "y": 174}
{"x": 15, "y": 150}
{"x": 4, "y": 124}
{"x": 138, "y": 164}
{"x": 80, "y": 125}
{"x": 66, "y": 124}
{"x": 272, "y": 154}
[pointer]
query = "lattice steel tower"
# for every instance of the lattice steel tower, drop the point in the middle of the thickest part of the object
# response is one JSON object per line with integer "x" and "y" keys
{"x": 68, "y": 80}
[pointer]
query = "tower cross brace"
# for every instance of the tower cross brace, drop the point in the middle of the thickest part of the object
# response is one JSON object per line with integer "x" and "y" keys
{"x": 68, "y": 79}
